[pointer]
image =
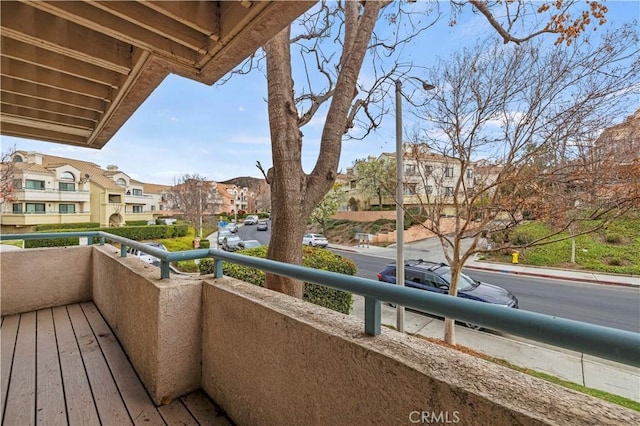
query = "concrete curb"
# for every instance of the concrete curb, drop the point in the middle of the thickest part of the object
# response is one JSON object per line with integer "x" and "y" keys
{"x": 548, "y": 275}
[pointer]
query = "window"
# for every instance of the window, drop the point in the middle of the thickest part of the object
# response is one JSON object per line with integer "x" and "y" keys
{"x": 17, "y": 208}
{"x": 17, "y": 159}
{"x": 409, "y": 189}
{"x": 410, "y": 169}
{"x": 429, "y": 189}
{"x": 66, "y": 186}
{"x": 17, "y": 184}
{"x": 137, "y": 209}
{"x": 34, "y": 184}
{"x": 137, "y": 192}
{"x": 469, "y": 173}
{"x": 428, "y": 169}
{"x": 35, "y": 207}
{"x": 153, "y": 208}
{"x": 67, "y": 176}
{"x": 448, "y": 172}
{"x": 121, "y": 182}
{"x": 448, "y": 191}
{"x": 66, "y": 208}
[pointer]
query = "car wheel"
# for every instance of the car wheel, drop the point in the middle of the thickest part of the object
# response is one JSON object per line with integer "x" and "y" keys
{"x": 311, "y": 244}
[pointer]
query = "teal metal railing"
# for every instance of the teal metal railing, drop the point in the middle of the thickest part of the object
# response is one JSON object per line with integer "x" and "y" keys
{"x": 609, "y": 343}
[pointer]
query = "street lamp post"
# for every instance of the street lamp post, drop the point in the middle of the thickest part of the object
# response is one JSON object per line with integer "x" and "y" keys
{"x": 400, "y": 197}
{"x": 200, "y": 210}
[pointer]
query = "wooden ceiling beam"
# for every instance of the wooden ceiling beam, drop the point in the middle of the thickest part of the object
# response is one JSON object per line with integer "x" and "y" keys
{"x": 34, "y": 74}
{"x": 21, "y": 130}
{"x": 45, "y": 58}
{"x": 10, "y": 85}
{"x": 43, "y": 125}
{"x": 46, "y": 117}
{"x": 162, "y": 25}
{"x": 89, "y": 16}
{"x": 48, "y": 106}
{"x": 25, "y": 23}
{"x": 203, "y": 16}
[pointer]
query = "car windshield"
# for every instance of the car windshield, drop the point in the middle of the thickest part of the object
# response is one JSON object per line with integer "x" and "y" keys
{"x": 464, "y": 283}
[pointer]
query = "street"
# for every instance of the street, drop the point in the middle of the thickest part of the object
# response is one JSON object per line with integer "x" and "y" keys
{"x": 609, "y": 306}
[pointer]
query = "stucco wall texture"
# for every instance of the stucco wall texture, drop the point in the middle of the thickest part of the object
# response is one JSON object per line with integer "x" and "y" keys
{"x": 267, "y": 358}
{"x": 157, "y": 321}
{"x": 271, "y": 359}
{"x": 41, "y": 278}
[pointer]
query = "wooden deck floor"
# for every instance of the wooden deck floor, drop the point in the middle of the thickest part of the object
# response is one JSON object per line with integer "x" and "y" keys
{"x": 64, "y": 366}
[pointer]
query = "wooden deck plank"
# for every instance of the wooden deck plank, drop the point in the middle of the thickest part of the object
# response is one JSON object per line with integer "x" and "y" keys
{"x": 81, "y": 409}
{"x": 50, "y": 406}
{"x": 21, "y": 395}
{"x": 203, "y": 409}
{"x": 137, "y": 400}
{"x": 8, "y": 333}
{"x": 176, "y": 414}
{"x": 111, "y": 408}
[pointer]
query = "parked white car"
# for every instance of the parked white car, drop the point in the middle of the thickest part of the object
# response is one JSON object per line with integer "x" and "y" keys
{"x": 251, "y": 219}
{"x": 147, "y": 257}
{"x": 315, "y": 240}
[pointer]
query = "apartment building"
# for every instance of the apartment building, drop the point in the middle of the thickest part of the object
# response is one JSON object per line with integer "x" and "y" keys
{"x": 48, "y": 189}
{"x": 427, "y": 178}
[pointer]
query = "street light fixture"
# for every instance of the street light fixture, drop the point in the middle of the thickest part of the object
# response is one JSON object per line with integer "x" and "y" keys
{"x": 400, "y": 197}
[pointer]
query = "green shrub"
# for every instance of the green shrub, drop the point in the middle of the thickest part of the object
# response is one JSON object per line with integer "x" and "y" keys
{"x": 613, "y": 238}
{"x": 317, "y": 258}
{"x": 52, "y": 242}
{"x": 137, "y": 223}
{"x": 83, "y": 226}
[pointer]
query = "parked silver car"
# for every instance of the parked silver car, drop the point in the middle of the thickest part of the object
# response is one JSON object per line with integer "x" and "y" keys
{"x": 315, "y": 240}
{"x": 230, "y": 243}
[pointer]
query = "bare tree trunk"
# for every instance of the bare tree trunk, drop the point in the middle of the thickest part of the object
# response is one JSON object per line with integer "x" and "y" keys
{"x": 286, "y": 177}
{"x": 293, "y": 193}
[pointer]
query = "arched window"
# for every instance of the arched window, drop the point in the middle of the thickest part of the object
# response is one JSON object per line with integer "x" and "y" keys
{"x": 68, "y": 176}
{"x": 17, "y": 159}
{"x": 121, "y": 182}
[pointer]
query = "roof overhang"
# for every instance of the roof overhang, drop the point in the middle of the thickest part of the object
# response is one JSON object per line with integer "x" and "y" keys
{"x": 73, "y": 72}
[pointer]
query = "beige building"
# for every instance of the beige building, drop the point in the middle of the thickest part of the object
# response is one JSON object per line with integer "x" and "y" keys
{"x": 56, "y": 190}
{"x": 427, "y": 178}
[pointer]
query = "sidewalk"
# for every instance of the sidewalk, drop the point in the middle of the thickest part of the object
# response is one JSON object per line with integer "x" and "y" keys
{"x": 596, "y": 373}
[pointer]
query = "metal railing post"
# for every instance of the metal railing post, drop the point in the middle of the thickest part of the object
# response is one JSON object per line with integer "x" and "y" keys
{"x": 372, "y": 316}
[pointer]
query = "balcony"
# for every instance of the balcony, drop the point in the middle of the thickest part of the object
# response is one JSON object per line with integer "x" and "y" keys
{"x": 266, "y": 358}
{"x": 26, "y": 219}
{"x": 51, "y": 195}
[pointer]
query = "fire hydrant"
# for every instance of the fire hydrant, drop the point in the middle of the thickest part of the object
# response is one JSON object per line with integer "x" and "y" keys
{"x": 514, "y": 257}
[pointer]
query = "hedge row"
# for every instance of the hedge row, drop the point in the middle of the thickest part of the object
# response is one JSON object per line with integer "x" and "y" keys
{"x": 317, "y": 258}
{"x": 74, "y": 226}
{"x": 136, "y": 233}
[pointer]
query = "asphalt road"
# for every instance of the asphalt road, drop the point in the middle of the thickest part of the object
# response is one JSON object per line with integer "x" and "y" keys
{"x": 610, "y": 306}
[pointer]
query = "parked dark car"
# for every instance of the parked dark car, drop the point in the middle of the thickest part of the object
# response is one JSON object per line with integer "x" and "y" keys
{"x": 436, "y": 277}
{"x": 230, "y": 242}
{"x": 263, "y": 225}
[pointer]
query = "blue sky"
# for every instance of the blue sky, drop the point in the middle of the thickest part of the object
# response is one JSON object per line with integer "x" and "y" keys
{"x": 220, "y": 131}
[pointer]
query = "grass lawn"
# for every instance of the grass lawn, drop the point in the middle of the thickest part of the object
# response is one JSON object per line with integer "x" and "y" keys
{"x": 615, "y": 249}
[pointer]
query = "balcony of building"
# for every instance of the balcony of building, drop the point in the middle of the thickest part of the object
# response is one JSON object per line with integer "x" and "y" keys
{"x": 263, "y": 357}
{"x": 42, "y": 218}
{"x": 52, "y": 194}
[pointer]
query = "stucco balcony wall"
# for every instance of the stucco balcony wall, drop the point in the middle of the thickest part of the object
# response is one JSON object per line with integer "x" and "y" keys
{"x": 272, "y": 359}
{"x": 41, "y": 278}
{"x": 158, "y": 322}
{"x": 267, "y": 358}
